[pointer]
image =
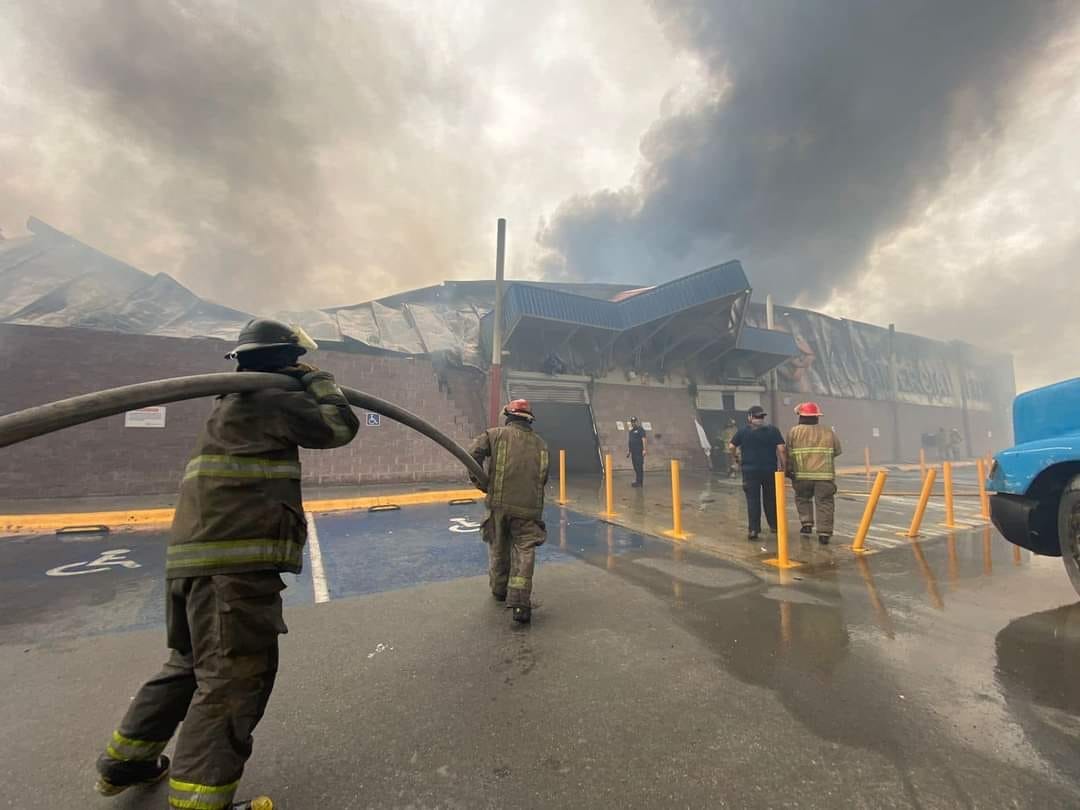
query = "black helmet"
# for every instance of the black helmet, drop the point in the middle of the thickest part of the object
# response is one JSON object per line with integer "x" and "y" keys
{"x": 264, "y": 333}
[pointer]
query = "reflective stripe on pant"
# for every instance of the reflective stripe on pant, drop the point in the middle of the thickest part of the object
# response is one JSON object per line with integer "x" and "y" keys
{"x": 222, "y": 631}
{"x": 512, "y": 543}
{"x": 760, "y": 490}
{"x": 819, "y": 495}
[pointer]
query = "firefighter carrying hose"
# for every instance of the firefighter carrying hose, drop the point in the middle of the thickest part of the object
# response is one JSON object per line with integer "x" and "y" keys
{"x": 514, "y": 526}
{"x": 812, "y": 448}
{"x": 239, "y": 523}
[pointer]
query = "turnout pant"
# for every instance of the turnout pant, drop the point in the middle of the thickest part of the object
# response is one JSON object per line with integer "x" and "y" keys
{"x": 512, "y": 543}
{"x": 760, "y": 489}
{"x": 820, "y": 496}
{"x": 638, "y": 460}
{"x": 223, "y": 638}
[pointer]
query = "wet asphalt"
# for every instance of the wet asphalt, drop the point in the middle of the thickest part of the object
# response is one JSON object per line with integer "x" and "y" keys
{"x": 937, "y": 674}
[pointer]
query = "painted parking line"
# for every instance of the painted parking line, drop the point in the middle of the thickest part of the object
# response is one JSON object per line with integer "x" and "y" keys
{"x": 314, "y": 552}
{"x": 107, "y": 583}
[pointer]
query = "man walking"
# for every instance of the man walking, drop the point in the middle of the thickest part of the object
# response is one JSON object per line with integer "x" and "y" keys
{"x": 812, "y": 448}
{"x": 760, "y": 449}
{"x": 514, "y": 526}
{"x": 637, "y": 450}
{"x": 239, "y": 523}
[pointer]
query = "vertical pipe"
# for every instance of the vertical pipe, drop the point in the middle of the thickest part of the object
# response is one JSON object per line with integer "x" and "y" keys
{"x": 950, "y": 515}
{"x": 781, "y": 522}
{"x": 984, "y": 497}
{"x": 609, "y": 486}
{"x": 894, "y": 396}
{"x": 562, "y": 476}
{"x": 868, "y": 513}
{"x": 924, "y": 499}
{"x": 773, "y": 379}
{"x": 497, "y": 325}
{"x": 676, "y": 500}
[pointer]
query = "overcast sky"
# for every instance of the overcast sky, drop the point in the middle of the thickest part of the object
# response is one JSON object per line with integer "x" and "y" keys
{"x": 908, "y": 162}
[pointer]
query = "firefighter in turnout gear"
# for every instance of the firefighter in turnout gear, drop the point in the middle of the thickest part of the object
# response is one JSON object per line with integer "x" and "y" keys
{"x": 812, "y": 448}
{"x": 514, "y": 526}
{"x": 239, "y": 523}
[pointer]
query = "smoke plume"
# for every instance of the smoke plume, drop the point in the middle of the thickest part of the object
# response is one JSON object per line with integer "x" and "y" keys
{"x": 826, "y": 122}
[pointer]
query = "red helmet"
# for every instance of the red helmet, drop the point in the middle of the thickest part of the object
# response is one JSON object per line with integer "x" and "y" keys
{"x": 519, "y": 407}
{"x": 808, "y": 409}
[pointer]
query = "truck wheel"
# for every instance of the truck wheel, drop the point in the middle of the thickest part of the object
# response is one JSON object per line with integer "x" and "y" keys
{"x": 1069, "y": 530}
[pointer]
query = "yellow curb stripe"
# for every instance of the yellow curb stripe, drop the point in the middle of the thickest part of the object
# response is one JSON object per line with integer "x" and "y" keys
{"x": 142, "y": 518}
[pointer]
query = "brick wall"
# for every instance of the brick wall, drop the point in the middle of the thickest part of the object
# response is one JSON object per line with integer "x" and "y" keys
{"x": 668, "y": 409}
{"x": 39, "y": 365}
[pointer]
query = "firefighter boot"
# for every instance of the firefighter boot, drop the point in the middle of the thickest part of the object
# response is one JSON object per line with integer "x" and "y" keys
{"x": 123, "y": 774}
{"x": 523, "y": 615}
{"x": 258, "y": 803}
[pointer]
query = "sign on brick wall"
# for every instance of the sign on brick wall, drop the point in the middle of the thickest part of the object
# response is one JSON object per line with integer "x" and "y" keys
{"x": 145, "y": 418}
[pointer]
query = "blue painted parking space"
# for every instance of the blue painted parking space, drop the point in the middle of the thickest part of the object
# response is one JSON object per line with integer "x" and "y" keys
{"x": 65, "y": 585}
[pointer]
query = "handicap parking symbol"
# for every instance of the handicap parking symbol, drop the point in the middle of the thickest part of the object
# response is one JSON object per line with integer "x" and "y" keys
{"x": 108, "y": 561}
{"x": 374, "y": 419}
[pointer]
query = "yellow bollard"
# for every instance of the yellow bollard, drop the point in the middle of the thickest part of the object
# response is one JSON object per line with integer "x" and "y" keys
{"x": 782, "y": 560}
{"x": 868, "y": 513}
{"x": 609, "y": 485}
{"x": 950, "y": 515}
{"x": 562, "y": 477}
{"x": 676, "y": 503}
{"x": 922, "y": 462}
{"x": 984, "y": 497}
{"x": 1016, "y": 556}
{"x": 924, "y": 499}
{"x": 866, "y": 458}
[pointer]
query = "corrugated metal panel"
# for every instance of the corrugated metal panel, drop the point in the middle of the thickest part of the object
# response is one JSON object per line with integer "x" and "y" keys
{"x": 710, "y": 400}
{"x": 548, "y": 391}
{"x": 529, "y": 301}
{"x": 767, "y": 341}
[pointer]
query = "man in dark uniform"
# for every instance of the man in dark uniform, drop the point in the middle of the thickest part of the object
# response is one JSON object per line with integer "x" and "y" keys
{"x": 514, "y": 526}
{"x": 637, "y": 450}
{"x": 761, "y": 452}
{"x": 239, "y": 523}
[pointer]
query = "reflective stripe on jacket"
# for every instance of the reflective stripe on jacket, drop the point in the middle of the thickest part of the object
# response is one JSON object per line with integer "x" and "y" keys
{"x": 811, "y": 451}
{"x": 240, "y": 507}
{"x": 518, "y": 470}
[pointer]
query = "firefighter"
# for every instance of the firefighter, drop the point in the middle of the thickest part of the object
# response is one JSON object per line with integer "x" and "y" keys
{"x": 514, "y": 526}
{"x": 812, "y": 447}
{"x": 239, "y": 523}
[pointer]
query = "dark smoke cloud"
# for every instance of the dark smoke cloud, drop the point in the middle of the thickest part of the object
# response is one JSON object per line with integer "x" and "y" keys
{"x": 216, "y": 136}
{"x": 826, "y": 123}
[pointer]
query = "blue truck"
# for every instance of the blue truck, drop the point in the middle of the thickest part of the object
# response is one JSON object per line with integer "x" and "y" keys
{"x": 1036, "y": 483}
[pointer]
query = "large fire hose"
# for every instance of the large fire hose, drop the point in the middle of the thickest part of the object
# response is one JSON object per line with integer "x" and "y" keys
{"x": 41, "y": 419}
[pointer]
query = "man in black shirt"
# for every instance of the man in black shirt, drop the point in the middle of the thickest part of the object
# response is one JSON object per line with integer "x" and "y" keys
{"x": 762, "y": 451}
{"x": 636, "y": 451}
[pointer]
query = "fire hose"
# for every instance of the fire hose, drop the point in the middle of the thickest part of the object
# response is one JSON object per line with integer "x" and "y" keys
{"x": 41, "y": 419}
